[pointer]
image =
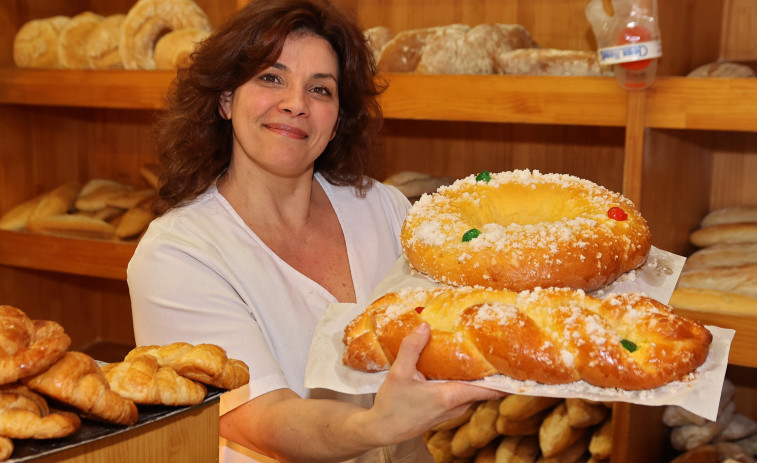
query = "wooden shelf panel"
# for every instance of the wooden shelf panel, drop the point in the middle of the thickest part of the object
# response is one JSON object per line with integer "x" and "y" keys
{"x": 522, "y": 99}
{"x": 95, "y": 258}
{"x": 92, "y": 89}
{"x": 702, "y": 103}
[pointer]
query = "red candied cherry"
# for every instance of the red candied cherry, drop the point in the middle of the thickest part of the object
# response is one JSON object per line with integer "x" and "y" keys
{"x": 617, "y": 213}
{"x": 419, "y": 309}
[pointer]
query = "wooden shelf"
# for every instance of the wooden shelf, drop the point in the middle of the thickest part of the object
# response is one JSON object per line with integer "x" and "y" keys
{"x": 744, "y": 341}
{"x": 106, "y": 259}
{"x": 702, "y": 103}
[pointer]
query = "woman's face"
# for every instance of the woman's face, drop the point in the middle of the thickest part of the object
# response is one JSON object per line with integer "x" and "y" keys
{"x": 284, "y": 117}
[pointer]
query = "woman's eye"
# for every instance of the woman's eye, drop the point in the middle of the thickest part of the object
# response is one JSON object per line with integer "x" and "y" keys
{"x": 323, "y": 91}
{"x": 271, "y": 78}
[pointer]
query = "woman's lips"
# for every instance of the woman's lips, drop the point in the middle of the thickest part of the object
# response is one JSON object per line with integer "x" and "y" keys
{"x": 287, "y": 130}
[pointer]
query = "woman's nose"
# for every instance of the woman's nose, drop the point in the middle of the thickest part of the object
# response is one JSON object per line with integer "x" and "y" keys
{"x": 293, "y": 102}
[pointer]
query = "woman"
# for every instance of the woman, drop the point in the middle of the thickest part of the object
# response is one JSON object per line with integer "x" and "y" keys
{"x": 269, "y": 217}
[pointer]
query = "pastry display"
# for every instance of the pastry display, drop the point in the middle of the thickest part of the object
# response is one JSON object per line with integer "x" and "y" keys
{"x": 128, "y": 40}
{"x": 551, "y": 336}
{"x": 482, "y": 437}
{"x": 521, "y": 230}
{"x": 100, "y": 209}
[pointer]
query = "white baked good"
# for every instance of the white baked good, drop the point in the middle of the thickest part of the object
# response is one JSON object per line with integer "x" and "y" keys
{"x": 734, "y": 214}
{"x": 35, "y": 45}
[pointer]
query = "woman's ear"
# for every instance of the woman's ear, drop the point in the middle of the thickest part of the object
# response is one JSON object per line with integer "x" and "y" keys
{"x": 224, "y": 104}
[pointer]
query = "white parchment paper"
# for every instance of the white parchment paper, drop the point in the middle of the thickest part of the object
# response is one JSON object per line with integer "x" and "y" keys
{"x": 699, "y": 392}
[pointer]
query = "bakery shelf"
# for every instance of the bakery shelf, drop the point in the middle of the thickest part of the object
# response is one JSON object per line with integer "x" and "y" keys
{"x": 96, "y": 258}
{"x": 524, "y": 99}
{"x": 702, "y": 103}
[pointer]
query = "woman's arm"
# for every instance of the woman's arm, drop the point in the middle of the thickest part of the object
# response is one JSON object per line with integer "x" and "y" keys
{"x": 283, "y": 425}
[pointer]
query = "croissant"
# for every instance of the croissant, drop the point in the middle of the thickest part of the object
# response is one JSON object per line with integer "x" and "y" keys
{"x": 552, "y": 336}
{"x": 76, "y": 380}
{"x": 145, "y": 382}
{"x": 206, "y": 363}
{"x": 25, "y": 415}
{"x": 28, "y": 346}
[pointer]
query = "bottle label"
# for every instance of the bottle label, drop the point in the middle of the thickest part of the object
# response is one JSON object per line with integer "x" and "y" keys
{"x": 630, "y": 52}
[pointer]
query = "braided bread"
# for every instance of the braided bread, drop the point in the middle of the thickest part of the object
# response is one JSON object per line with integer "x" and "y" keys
{"x": 206, "y": 363}
{"x": 28, "y": 346}
{"x": 25, "y": 415}
{"x": 76, "y": 380}
{"x": 145, "y": 382}
{"x": 552, "y": 336}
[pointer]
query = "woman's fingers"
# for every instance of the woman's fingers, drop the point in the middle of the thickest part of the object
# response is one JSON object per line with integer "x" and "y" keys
{"x": 410, "y": 350}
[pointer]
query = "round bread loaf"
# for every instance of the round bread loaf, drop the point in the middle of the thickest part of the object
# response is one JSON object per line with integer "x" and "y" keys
{"x": 552, "y": 336}
{"x": 101, "y": 48}
{"x": 148, "y": 20}
{"x": 550, "y": 62}
{"x": 35, "y": 45}
{"x": 520, "y": 230}
{"x": 377, "y": 37}
{"x": 173, "y": 50}
{"x": 72, "y": 43}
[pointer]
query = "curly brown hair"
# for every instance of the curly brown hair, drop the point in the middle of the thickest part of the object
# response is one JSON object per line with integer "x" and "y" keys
{"x": 195, "y": 141}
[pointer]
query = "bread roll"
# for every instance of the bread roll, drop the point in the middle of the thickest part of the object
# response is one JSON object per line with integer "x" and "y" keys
{"x": 35, "y": 45}
{"x": 377, "y": 37}
{"x": 17, "y": 217}
{"x": 56, "y": 202}
{"x": 403, "y": 52}
{"x": 101, "y": 48}
{"x": 135, "y": 220}
{"x": 96, "y": 193}
{"x": 741, "y": 280}
{"x": 600, "y": 445}
{"x": 708, "y": 300}
{"x": 728, "y": 233}
{"x": 722, "y": 255}
{"x": 441, "y": 52}
{"x": 550, "y": 62}
{"x": 556, "y": 434}
{"x": 736, "y": 214}
{"x": 72, "y": 42}
{"x": 690, "y": 436}
{"x": 77, "y": 225}
{"x": 173, "y": 50}
{"x": 723, "y": 69}
{"x": 148, "y": 20}
{"x": 517, "y": 449}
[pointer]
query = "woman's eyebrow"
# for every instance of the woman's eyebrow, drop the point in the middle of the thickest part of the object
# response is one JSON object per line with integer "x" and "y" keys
{"x": 318, "y": 75}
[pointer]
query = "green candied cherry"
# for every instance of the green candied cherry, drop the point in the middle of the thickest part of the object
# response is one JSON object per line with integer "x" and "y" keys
{"x": 470, "y": 234}
{"x": 628, "y": 345}
{"x": 484, "y": 176}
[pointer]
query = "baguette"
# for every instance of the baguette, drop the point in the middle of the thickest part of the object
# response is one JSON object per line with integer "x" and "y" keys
{"x": 135, "y": 220}
{"x": 556, "y": 434}
{"x": 572, "y": 454}
{"x": 522, "y": 407}
{"x": 73, "y": 225}
{"x": 722, "y": 255}
{"x": 517, "y": 449}
{"x": 727, "y": 233}
{"x": 56, "y": 202}
{"x": 741, "y": 280}
{"x": 736, "y": 214}
{"x": 583, "y": 413}
{"x": 600, "y": 445}
{"x": 96, "y": 193}
{"x": 709, "y": 300}
{"x": 17, "y": 217}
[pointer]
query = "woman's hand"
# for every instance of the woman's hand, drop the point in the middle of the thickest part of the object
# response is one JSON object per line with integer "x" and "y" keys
{"x": 407, "y": 404}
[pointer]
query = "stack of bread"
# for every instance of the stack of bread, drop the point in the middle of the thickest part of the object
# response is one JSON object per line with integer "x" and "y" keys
{"x": 487, "y": 48}
{"x": 100, "y": 209}
{"x": 153, "y": 34}
{"x": 722, "y": 275}
{"x": 731, "y": 436}
{"x": 525, "y": 429}
{"x": 38, "y": 371}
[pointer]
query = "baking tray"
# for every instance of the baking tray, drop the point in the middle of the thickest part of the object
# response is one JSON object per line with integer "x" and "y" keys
{"x": 90, "y": 431}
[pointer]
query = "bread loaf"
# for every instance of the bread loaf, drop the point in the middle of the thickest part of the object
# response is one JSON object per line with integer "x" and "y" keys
{"x": 729, "y": 233}
{"x": 549, "y": 62}
{"x": 722, "y": 255}
{"x": 173, "y": 50}
{"x": 78, "y": 225}
{"x": 56, "y": 202}
{"x": 552, "y": 336}
{"x": 35, "y": 45}
{"x": 72, "y": 42}
{"x": 76, "y": 380}
{"x": 402, "y": 53}
{"x": 708, "y": 300}
{"x": 377, "y": 37}
{"x": 101, "y": 48}
{"x": 736, "y": 214}
{"x": 17, "y": 217}
{"x": 723, "y": 69}
{"x": 95, "y": 194}
{"x": 741, "y": 280}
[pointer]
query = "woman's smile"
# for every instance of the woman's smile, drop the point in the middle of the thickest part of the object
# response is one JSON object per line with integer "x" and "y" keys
{"x": 287, "y": 131}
